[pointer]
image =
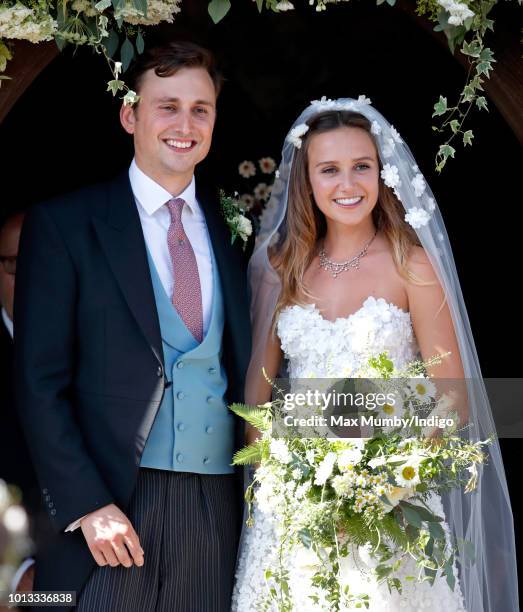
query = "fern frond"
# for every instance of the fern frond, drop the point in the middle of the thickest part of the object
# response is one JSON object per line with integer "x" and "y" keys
{"x": 247, "y": 455}
{"x": 254, "y": 415}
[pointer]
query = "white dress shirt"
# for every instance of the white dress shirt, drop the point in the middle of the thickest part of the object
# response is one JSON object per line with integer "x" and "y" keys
{"x": 151, "y": 199}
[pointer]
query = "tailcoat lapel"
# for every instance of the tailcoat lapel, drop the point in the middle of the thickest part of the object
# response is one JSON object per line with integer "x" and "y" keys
{"x": 122, "y": 241}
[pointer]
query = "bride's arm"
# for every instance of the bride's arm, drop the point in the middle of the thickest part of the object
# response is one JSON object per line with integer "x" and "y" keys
{"x": 258, "y": 390}
{"x": 434, "y": 330}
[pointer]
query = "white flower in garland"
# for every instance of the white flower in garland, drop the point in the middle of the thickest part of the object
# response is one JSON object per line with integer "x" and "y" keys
{"x": 390, "y": 176}
{"x": 157, "y": 11}
{"x": 247, "y": 169}
{"x": 280, "y": 450}
{"x": 364, "y": 100}
{"x": 26, "y": 23}
{"x": 417, "y": 217}
{"x": 296, "y": 134}
{"x": 458, "y": 11}
{"x": 324, "y": 470}
{"x": 418, "y": 182}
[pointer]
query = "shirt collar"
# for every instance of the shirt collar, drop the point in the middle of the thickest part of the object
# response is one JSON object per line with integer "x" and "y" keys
{"x": 7, "y": 322}
{"x": 152, "y": 196}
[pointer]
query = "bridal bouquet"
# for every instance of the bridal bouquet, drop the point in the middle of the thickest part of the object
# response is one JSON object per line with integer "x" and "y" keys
{"x": 336, "y": 498}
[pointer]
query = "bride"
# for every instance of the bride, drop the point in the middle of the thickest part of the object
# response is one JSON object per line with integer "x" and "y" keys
{"x": 354, "y": 260}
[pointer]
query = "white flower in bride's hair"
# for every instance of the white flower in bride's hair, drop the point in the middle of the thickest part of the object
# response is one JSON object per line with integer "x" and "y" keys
{"x": 417, "y": 217}
{"x": 375, "y": 128}
{"x": 388, "y": 147}
{"x": 247, "y": 169}
{"x": 295, "y": 135}
{"x": 431, "y": 205}
{"x": 390, "y": 176}
{"x": 363, "y": 100}
{"x": 418, "y": 182}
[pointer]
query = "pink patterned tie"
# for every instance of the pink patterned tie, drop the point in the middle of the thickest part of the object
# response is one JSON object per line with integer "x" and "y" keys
{"x": 187, "y": 293}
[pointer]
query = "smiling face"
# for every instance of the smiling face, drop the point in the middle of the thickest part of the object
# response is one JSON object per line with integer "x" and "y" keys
{"x": 343, "y": 173}
{"x": 172, "y": 125}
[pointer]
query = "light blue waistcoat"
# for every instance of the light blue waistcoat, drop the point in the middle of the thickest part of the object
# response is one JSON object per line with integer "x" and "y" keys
{"x": 193, "y": 430}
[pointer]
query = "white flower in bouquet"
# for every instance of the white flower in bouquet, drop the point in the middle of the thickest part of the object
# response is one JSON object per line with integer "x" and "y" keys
{"x": 244, "y": 227}
{"x": 284, "y": 6}
{"x": 343, "y": 484}
{"x": 407, "y": 475}
{"x": 305, "y": 558}
{"x": 280, "y": 450}
{"x": 395, "y": 407}
{"x": 247, "y": 169}
{"x": 397, "y": 494}
{"x": 349, "y": 457}
{"x": 84, "y": 6}
{"x": 422, "y": 388}
{"x": 458, "y": 11}
{"x": 325, "y": 468}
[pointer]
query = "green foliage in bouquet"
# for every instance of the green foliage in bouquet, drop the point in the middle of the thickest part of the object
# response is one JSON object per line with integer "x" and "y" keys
{"x": 336, "y": 497}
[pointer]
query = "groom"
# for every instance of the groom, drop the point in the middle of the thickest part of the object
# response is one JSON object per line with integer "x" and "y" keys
{"x": 132, "y": 336}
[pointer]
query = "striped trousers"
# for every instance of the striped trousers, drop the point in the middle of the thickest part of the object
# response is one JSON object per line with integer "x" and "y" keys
{"x": 188, "y": 525}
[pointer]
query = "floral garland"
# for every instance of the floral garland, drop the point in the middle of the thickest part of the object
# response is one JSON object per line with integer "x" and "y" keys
{"x": 111, "y": 25}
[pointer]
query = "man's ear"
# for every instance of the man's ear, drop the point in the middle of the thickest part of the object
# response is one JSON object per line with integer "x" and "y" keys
{"x": 128, "y": 118}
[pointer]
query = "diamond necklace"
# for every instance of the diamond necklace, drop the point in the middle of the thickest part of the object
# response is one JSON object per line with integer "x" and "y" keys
{"x": 336, "y": 268}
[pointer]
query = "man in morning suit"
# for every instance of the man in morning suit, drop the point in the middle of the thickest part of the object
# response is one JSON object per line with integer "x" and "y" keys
{"x": 132, "y": 338}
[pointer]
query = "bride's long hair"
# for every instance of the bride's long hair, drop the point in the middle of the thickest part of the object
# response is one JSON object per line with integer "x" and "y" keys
{"x": 305, "y": 224}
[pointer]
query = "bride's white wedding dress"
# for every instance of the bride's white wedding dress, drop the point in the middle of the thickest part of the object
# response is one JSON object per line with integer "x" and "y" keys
{"x": 317, "y": 347}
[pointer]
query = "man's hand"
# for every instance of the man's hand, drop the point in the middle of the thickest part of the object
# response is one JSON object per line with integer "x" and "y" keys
{"x": 111, "y": 538}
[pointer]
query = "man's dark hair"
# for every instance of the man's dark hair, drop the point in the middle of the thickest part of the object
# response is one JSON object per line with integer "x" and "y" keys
{"x": 168, "y": 58}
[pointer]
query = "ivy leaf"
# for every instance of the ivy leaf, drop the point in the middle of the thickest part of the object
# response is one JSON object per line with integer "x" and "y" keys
{"x": 473, "y": 49}
{"x": 467, "y": 137}
{"x": 391, "y": 2}
{"x": 481, "y": 103}
{"x": 259, "y": 4}
{"x": 446, "y": 151}
{"x": 114, "y": 86}
{"x": 218, "y": 9}
{"x": 126, "y": 53}
{"x": 454, "y": 125}
{"x": 440, "y": 108}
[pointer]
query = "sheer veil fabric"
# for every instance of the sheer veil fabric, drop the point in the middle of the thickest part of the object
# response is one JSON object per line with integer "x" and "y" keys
{"x": 483, "y": 517}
